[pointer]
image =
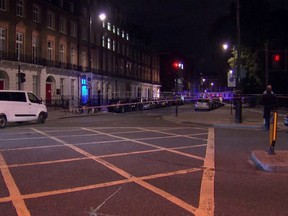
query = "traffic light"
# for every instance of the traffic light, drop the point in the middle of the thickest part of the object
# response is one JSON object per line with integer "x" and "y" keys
{"x": 22, "y": 77}
{"x": 178, "y": 65}
{"x": 276, "y": 58}
{"x": 278, "y": 61}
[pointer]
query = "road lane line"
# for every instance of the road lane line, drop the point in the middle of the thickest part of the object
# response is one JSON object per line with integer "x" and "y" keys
{"x": 147, "y": 144}
{"x": 14, "y": 192}
{"x": 99, "y": 185}
{"x": 100, "y": 156}
{"x": 206, "y": 201}
{"x": 125, "y": 174}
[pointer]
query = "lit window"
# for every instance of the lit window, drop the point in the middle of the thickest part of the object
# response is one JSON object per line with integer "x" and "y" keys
{"x": 114, "y": 29}
{"x": 114, "y": 45}
{"x": 127, "y": 36}
{"x": 123, "y": 34}
{"x": 109, "y": 43}
{"x": 20, "y": 8}
{"x": 36, "y": 13}
{"x": 103, "y": 41}
{"x": 109, "y": 26}
{"x": 118, "y": 31}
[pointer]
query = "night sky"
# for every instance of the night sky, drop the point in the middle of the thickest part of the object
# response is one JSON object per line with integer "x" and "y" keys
{"x": 176, "y": 26}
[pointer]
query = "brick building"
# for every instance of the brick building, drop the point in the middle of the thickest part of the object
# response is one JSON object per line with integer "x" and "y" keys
{"x": 65, "y": 50}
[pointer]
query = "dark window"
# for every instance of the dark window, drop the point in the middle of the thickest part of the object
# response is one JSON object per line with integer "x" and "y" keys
{"x": 4, "y": 96}
{"x": 13, "y": 96}
{"x": 33, "y": 98}
{"x": 18, "y": 96}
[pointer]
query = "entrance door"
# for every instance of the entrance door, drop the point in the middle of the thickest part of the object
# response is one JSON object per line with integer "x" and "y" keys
{"x": 48, "y": 93}
{"x": 1, "y": 85}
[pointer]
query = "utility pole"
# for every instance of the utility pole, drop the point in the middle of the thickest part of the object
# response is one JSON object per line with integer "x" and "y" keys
{"x": 266, "y": 64}
{"x": 238, "y": 99}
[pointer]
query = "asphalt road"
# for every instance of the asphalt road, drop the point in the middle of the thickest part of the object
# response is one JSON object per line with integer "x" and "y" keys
{"x": 136, "y": 164}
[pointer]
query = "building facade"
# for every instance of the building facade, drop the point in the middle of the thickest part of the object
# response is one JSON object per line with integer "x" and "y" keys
{"x": 62, "y": 49}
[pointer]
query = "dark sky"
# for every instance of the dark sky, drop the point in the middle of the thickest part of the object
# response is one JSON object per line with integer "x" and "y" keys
{"x": 176, "y": 25}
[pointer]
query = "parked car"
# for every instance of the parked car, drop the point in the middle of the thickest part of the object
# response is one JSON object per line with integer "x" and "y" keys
{"x": 21, "y": 106}
{"x": 203, "y": 104}
{"x": 286, "y": 120}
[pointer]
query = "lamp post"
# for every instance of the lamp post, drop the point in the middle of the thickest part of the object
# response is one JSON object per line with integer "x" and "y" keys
{"x": 102, "y": 17}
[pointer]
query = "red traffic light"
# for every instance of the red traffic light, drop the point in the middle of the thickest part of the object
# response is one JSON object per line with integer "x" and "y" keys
{"x": 177, "y": 65}
{"x": 276, "y": 57}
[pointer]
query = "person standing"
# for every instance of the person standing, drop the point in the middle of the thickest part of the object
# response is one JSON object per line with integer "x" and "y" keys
{"x": 269, "y": 101}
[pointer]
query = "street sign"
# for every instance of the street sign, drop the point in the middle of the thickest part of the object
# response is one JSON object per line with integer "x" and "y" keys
{"x": 231, "y": 79}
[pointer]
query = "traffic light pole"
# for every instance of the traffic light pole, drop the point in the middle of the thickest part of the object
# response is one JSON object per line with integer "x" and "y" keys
{"x": 19, "y": 73}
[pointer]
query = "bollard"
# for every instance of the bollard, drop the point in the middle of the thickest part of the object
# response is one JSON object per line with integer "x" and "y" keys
{"x": 273, "y": 133}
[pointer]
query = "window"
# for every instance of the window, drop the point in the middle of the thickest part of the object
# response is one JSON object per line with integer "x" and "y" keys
{"x": 2, "y": 41}
{"x": 72, "y": 56}
{"x": 103, "y": 41}
{"x": 61, "y": 3}
{"x": 72, "y": 87}
{"x": 51, "y": 20}
{"x": 50, "y": 50}
{"x": 35, "y": 49}
{"x": 73, "y": 29}
{"x": 118, "y": 31}
{"x": 114, "y": 45}
{"x": 114, "y": 29}
{"x": 19, "y": 44}
{"x": 3, "y": 5}
{"x": 71, "y": 7}
{"x": 63, "y": 25}
{"x": 61, "y": 56}
{"x": 123, "y": 34}
{"x": 84, "y": 33}
{"x": 109, "y": 26}
{"x": 61, "y": 86}
{"x": 36, "y": 14}
{"x": 83, "y": 59}
{"x": 35, "y": 85}
{"x": 20, "y": 8}
{"x": 84, "y": 12}
{"x": 108, "y": 43}
{"x": 127, "y": 36}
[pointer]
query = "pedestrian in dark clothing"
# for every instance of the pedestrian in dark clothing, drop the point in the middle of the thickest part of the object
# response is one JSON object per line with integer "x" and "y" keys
{"x": 269, "y": 101}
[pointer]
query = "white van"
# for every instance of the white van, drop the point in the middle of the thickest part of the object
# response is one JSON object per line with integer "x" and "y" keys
{"x": 21, "y": 106}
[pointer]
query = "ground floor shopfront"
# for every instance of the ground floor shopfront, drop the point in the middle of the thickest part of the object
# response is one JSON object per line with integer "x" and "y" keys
{"x": 54, "y": 84}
